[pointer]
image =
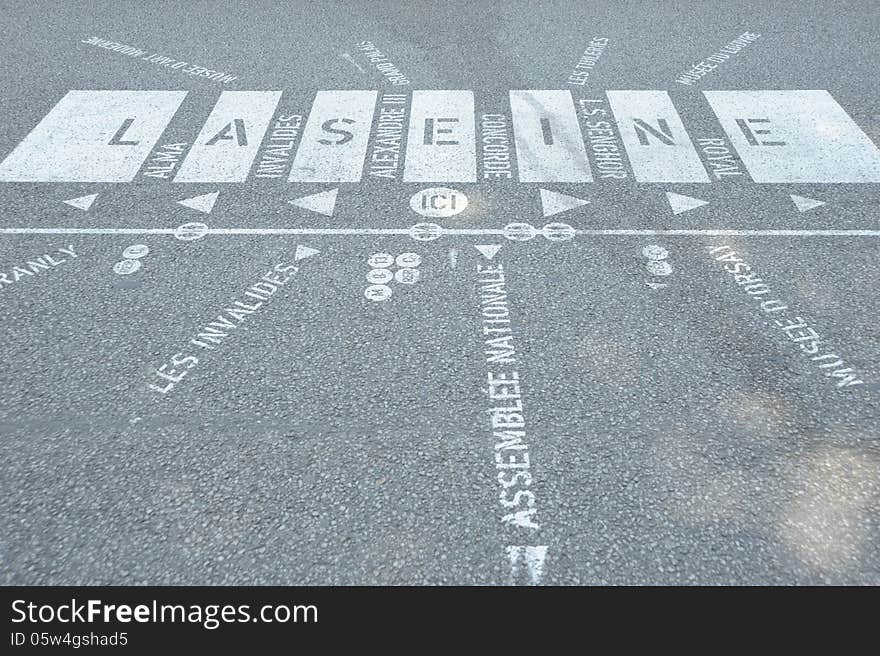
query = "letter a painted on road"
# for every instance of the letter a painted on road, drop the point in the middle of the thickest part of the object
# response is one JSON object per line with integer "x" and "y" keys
{"x": 229, "y": 140}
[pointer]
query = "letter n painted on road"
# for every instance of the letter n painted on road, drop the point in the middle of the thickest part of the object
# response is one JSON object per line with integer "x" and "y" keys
{"x": 795, "y": 136}
{"x": 441, "y": 144}
{"x": 334, "y": 141}
{"x": 549, "y": 143}
{"x": 230, "y": 138}
{"x": 658, "y": 147}
{"x": 93, "y": 136}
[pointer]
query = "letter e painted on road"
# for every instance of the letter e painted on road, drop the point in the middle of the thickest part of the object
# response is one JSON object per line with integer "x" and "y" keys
{"x": 795, "y": 136}
{"x": 441, "y": 144}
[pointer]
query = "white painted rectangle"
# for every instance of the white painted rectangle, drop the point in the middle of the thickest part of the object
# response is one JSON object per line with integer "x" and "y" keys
{"x": 334, "y": 141}
{"x": 548, "y": 138}
{"x": 73, "y": 141}
{"x": 655, "y": 139}
{"x": 441, "y": 143}
{"x": 229, "y": 140}
{"x": 795, "y": 136}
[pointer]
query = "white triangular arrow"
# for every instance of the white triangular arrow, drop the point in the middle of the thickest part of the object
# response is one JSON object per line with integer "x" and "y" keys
{"x": 803, "y": 203}
{"x": 83, "y": 202}
{"x": 302, "y": 252}
{"x": 553, "y": 202}
{"x": 488, "y": 250}
{"x": 322, "y": 203}
{"x": 203, "y": 203}
{"x": 534, "y": 558}
{"x": 680, "y": 203}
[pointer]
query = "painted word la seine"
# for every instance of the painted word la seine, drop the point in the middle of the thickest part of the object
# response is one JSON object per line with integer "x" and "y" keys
{"x": 780, "y": 136}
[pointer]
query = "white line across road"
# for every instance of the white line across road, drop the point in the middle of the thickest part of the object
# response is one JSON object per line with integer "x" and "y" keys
{"x": 355, "y": 232}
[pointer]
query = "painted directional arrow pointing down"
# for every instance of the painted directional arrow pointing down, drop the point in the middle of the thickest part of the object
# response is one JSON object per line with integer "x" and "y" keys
{"x": 552, "y": 202}
{"x": 203, "y": 203}
{"x": 488, "y": 250}
{"x": 322, "y": 203}
{"x": 680, "y": 203}
{"x": 82, "y": 203}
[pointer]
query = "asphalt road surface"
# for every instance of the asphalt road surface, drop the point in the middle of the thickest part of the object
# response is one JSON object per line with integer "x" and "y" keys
{"x": 457, "y": 293}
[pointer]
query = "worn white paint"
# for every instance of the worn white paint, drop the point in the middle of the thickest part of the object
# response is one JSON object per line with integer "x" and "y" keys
{"x": 222, "y": 328}
{"x": 407, "y": 276}
{"x": 229, "y": 140}
{"x": 323, "y": 202}
{"x": 203, "y": 203}
{"x": 519, "y": 231}
{"x": 659, "y": 267}
{"x": 191, "y": 231}
{"x": 795, "y": 136}
{"x": 135, "y": 251}
{"x": 425, "y": 231}
{"x": 351, "y": 60}
{"x": 378, "y": 276}
{"x": 127, "y": 267}
{"x": 800, "y": 331}
{"x": 408, "y": 260}
{"x": 453, "y": 232}
{"x": 441, "y": 142}
{"x": 655, "y": 252}
{"x": 334, "y": 140}
{"x": 378, "y": 293}
{"x": 35, "y": 266}
{"x": 549, "y": 143}
{"x": 93, "y": 136}
{"x": 380, "y": 260}
{"x": 83, "y": 203}
{"x": 558, "y": 231}
{"x": 680, "y": 203}
{"x": 532, "y": 557}
{"x": 656, "y": 142}
{"x": 780, "y": 135}
{"x": 512, "y": 456}
{"x": 488, "y": 250}
{"x": 803, "y": 203}
{"x": 553, "y": 202}
{"x": 304, "y": 252}
{"x": 438, "y": 202}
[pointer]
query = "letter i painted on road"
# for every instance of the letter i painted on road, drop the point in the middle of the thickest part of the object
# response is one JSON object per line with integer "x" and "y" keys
{"x": 658, "y": 147}
{"x": 795, "y": 136}
{"x": 441, "y": 143}
{"x": 549, "y": 143}
{"x": 334, "y": 141}
{"x": 93, "y": 136}
{"x": 230, "y": 138}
